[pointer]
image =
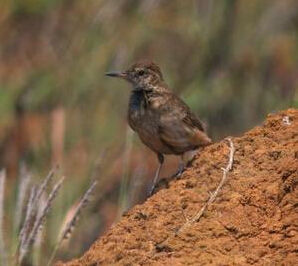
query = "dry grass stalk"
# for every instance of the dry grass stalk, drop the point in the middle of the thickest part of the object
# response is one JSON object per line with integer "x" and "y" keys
{"x": 39, "y": 221}
{"x": 68, "y": 229}
{"x": 83, "y": 202}
{"x": 44, "y": 184}
{"x": 40, "y": 208}
{"x": 36, "y": 249}
{"x": 3, "y": 253}
{"x": 25, "y": 179}
{"x": 31, "y": 210}
{"x": 29, "y": 219}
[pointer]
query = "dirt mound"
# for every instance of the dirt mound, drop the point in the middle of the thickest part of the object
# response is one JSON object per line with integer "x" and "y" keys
{"x": 252, "y": 221}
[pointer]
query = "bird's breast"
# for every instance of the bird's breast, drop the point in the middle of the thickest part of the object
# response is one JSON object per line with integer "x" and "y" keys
{"x": 136, "y": 109}
{"x": 143, "y": 111}
{"x": 143, "y": 118}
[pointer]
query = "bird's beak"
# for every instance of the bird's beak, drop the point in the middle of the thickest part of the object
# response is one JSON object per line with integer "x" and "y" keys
{"x": 117, "y": 74}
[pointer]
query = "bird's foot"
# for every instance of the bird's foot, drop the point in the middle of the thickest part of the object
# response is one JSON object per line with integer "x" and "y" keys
{"x": 181, "y": 169}
{"x": 151, "y": 192}
{"x": 162, "y": 184}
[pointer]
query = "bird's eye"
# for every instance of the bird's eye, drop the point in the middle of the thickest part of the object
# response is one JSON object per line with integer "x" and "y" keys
{"x": 141, "y": 72}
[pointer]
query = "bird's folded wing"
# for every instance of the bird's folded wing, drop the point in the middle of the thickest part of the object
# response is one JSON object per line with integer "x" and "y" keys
{"x": 182, "y": 139}
{"x": 181, "y": 136}
{"x": 179, "y": 128}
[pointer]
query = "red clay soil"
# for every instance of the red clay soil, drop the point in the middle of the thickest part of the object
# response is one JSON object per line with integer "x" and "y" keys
{"x": 253, "y": 221}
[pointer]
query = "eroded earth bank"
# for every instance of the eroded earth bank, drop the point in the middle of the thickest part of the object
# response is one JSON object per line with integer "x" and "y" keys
{"x": 253, "y": 220}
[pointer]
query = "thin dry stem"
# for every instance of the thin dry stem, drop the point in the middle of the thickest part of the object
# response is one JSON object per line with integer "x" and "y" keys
{"x": 31, "y": 214}
{"x": 44, "y": 184}
{"x": 29, "y": 219}
{"x": 44, "y": 212}
{"x": 25, "y": 179}
{"x": 212, "y": 196}
{"x": 83, "y": 202}
{"x": 3, "y": 253}
{"x": 39, "y": 221}
{"x": 66, "y": 232}
{"x": 39, "y": 212}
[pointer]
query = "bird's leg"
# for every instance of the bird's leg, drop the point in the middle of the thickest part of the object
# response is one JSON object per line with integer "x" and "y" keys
{"x": 180, "y": 170}
{"x": 186, "y": 158}
{"x": 156, "y": 177}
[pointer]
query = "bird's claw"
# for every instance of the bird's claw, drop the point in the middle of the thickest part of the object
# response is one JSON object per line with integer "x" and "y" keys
{"x": 180, "y": 171}
{"x": 151, "y": 190}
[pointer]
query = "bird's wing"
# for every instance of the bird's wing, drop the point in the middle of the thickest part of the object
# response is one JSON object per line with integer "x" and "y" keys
{"x": 179, "y": 128}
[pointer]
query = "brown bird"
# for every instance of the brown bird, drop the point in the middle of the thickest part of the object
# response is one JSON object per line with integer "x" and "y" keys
{"x": 162, "y": 120}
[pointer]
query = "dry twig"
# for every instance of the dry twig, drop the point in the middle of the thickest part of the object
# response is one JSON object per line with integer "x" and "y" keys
{"x": 212, "y": 196}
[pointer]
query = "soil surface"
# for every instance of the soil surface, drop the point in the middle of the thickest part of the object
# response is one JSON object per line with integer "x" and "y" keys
{"x": 253, "y": 220}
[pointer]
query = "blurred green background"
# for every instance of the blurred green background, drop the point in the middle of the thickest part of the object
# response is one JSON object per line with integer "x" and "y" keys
{"x": 232, "y": 61}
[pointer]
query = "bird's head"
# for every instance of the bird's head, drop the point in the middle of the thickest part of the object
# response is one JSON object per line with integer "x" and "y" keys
{"x": 141, "y": 75}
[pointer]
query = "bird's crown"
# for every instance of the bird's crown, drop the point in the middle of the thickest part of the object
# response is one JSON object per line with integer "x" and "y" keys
{"x": 142, "y": 74}
{"x": 145, "y": 67}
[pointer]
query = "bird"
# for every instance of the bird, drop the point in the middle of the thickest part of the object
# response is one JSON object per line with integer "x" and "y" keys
{"x": 162, "y": 120}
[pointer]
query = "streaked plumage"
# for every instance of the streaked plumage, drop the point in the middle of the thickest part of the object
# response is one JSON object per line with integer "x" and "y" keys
{"x": 161, "y": 119}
